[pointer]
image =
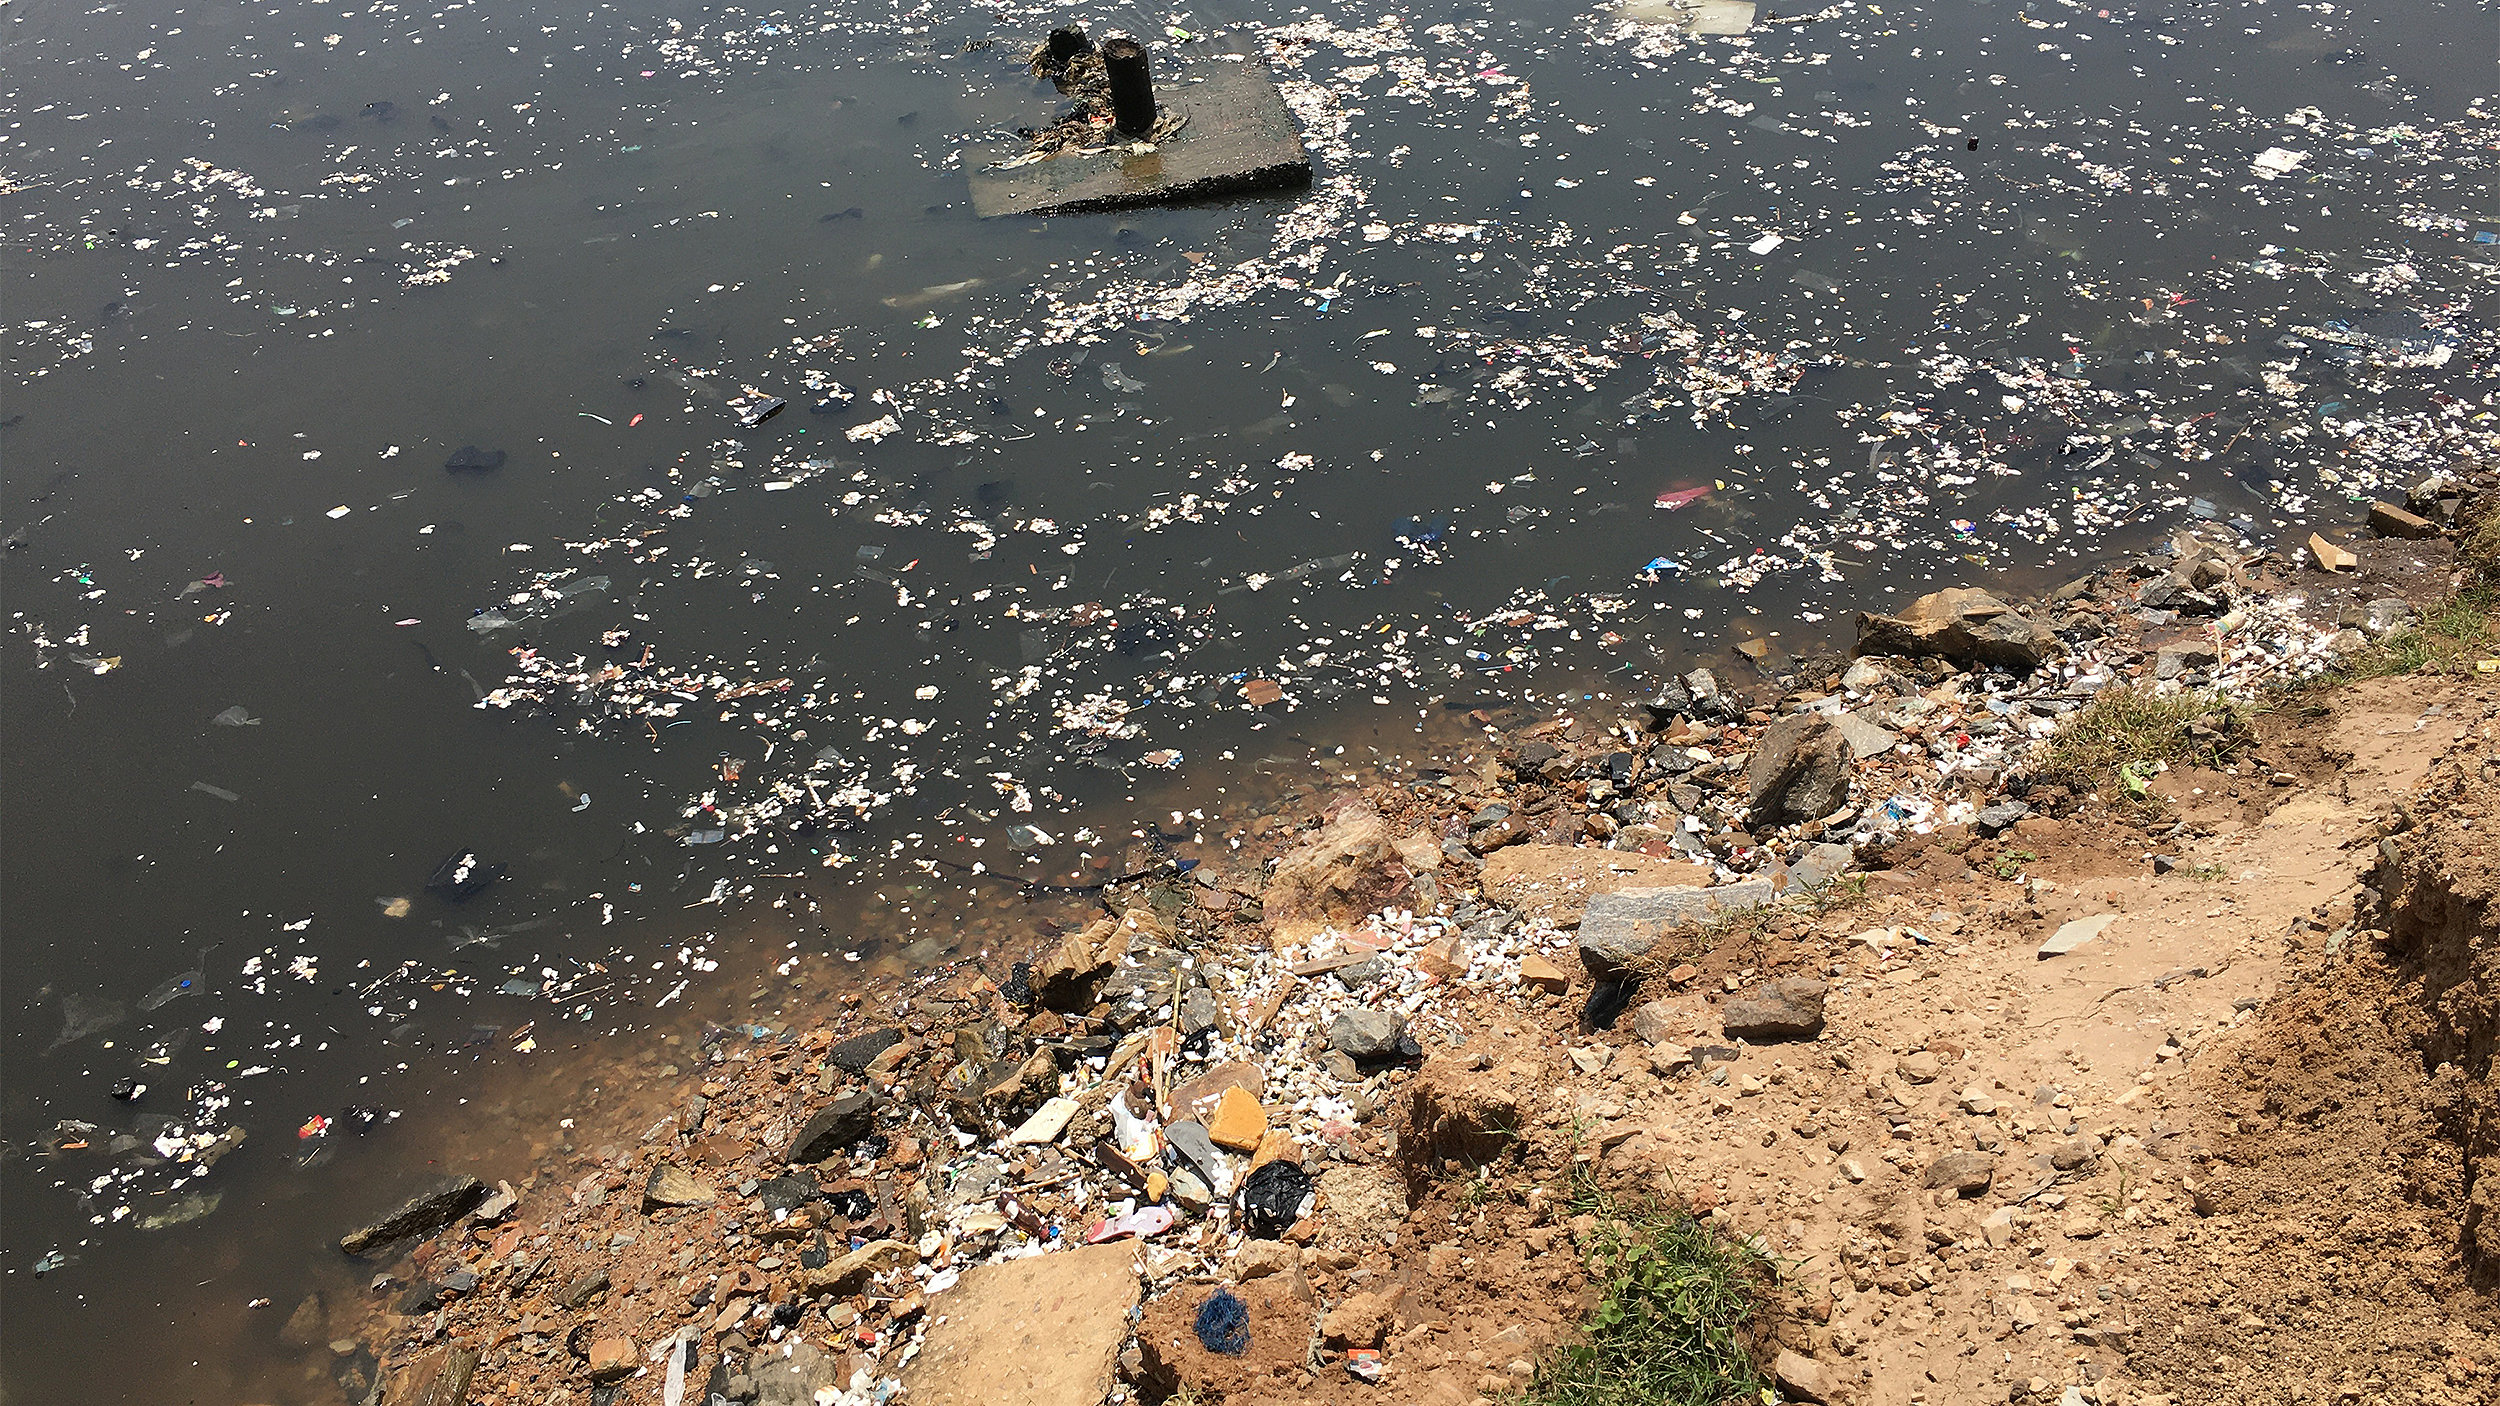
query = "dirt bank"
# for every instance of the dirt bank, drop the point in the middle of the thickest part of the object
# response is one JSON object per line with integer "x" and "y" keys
{"x": 2146, "y": 1071}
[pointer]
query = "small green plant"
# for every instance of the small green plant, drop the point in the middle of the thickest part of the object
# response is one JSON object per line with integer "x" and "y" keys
{"x": 1676, "y": 1297}
{"x": 1750, "y": 921}
{"x": 2207, "y": 873}
{"x": 2116, "y": 743}
{"x": 2448, "y": 639}
{"x": 1841, "y": 895}
{"x": 2010, "y": 864}
{"x": 2114, "y": 1200}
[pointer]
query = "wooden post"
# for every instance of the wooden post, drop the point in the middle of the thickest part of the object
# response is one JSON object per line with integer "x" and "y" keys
{"x": 1132, "y": 88}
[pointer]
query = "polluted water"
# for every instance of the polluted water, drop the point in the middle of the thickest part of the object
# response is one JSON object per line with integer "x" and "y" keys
{"x": 520, "y": 407}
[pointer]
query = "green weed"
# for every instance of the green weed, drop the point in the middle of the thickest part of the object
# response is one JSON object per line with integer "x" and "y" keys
{"x": 2116, "y": 743}
{"x": 1676, "y": 1296}
{"x": 2448, "y": 639}
{"x": 1841, "y": 895}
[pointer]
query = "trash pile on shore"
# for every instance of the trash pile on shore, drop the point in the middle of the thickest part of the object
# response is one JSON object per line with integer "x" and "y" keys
{"x": 1246, "y": 1071}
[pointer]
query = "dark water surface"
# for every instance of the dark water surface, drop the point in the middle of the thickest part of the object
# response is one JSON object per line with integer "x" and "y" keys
{"x": 1397, "y": 444}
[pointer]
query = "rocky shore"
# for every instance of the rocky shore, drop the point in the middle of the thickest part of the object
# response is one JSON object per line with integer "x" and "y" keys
{"x": 1842, "y": 957}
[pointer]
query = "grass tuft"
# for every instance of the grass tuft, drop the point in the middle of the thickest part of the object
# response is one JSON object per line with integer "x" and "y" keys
{"x": 1669, "y": 1328}
{"x": 2448, "y": 639}
{"x": 2114, "y": 744}
{"x": 1841, "y": 895}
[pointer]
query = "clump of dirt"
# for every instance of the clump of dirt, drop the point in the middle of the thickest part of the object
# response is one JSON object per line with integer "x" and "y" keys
{"x": 2440, "y": 880}
{"x": 2350, "y": 1246}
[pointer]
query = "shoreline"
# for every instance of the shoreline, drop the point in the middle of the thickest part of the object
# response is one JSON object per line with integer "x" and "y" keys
{"x": 1313, "y": 1015}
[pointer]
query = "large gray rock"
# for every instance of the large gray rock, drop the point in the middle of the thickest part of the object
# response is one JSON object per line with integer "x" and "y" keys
{"x": 1814, "y": 866}
{"x": 835, "y": 1128}
{"x": 1789, "y": 1008}
{"x": 422, "y": 1214}
{"x": 1866, "y": 737}
{"x": 1620, "y": 927}
{"x": 1368, "y": 1035}
{"x": 1966, "y": 625}
{"x": 1799, "y": 770}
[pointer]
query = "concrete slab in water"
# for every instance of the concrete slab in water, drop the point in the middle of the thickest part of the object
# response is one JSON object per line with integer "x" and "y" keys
{"x": 1694, "y": 16}
{"x": 1240, "y": 138}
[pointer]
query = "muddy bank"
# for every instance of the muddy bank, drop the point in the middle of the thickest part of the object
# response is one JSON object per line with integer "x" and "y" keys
{"x": 1824, "y": 951}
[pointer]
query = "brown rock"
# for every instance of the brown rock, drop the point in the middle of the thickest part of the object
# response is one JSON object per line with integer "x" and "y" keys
{"x": 2075, "y": 1153}
{"x": 438, "y": 1378}
{"x": 1964, "y": 624}
{"x": 2388, "y": 520}
{"x": 1197, "y": 1098}
{"x": 1361, "y": 1320}
{"x": 307, "y": 1325}
{"x": 1963, "y": 1173}
{"x": 1799, "y": 1376}
{"x": 1555, "y": 882}
{"x": 1256, "y": 1259}
{"x": 1066, "y": 979}
{"x": 1045, "y": 1331}
{"x": 1462, "y": 1112}
{"x": 1350, "y": 869}
{"x": 1367, "y": 1203}
{"x": 672, "y": 1185}
{"x": 1443, "y": 958}
{"x": 1277, "y": 1146}
{"x": 1664, "y": 1021}
{"x": 2330, "y": 556}
{"x": 851, "y": 1272}
{"x": 1538, "y": 974}
{"x": 1420, "y": 851}
{"x": 581, "y": 1288}
{"x": 1034, "y": 1082}
{"x": 611, "y": 1358}
{"x": 1788, "y": 1008}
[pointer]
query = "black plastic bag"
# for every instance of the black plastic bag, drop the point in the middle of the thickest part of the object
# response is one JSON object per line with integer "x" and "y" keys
{"x": 1273, "y": 1198}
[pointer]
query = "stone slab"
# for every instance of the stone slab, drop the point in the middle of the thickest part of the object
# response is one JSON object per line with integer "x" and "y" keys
{"x": 2073, "y": 935}
{"x": 1622, "y": 925}
{"x": 1045, "y": 1331}
{"x": 1241, "y": 138}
